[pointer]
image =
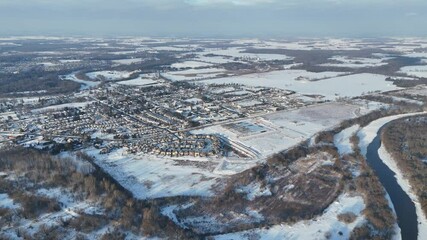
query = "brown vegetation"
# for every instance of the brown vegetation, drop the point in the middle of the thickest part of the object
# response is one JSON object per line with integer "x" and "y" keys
{"x": 42, "y": 170}
{"x": 406, "y": 141}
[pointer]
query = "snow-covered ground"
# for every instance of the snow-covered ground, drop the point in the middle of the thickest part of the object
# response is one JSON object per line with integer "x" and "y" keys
{"x": 239, "y": 54}
{"x": 194, "y": 74}
{"x": 109, "y": 75}
{"x": 71, "y": 207}
{"x": 326, "y": 226}
{"x": 7, "y": 202}
{"x": 417, "y": 55}
{"x": 415, "y": 71}
{"x": 215, "y": 59}
{"x": 191, "y": 64}
{"x": 366, "y": 136}
{"x": 139, "y": 81}
{"x": 333, "y": 87}
{"x": 69, "y": 60}
{"x": 62, "y": 106}
{"x": 254, "y": 190}
{"x": 368, "y": 133}
{"x": 292, "y": 127}
{"x": 6, "y": 115}
{"x": 85, "y": 84}
{"x": 127, "y": 61}
{"x": 406, "y": 186}
{"x": 148, "y": 176}
{"x": 420, "y": 90}
{"x": 356, "y": 62}
{"x": 342, "y": 140}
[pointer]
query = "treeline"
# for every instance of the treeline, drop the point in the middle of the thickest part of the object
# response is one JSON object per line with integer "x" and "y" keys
{"x": 406, "y": 141}
{"x": 122, "y": 211}
{"x": 35, "y": 80}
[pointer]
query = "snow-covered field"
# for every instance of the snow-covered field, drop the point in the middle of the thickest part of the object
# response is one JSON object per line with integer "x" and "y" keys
{"x": 139, "y": 81}
{"x": 127, "y": 61}
{"x": 215, "y": 59}
{"x": 239, "y": 54}
{"x": 148, "y": 176}
{"x": 191, "y": 64}
{"x": 194, "y": 74}
{"x": 415, "y": 71}
{"x": 355, "y": 62}
{"x": 61, "y": 106}
{"x": 331, "y": 88}
{"x": 69, "y": 60}
{"x": 109, "y": 75}
{"x": 85, "y": 84}
{"x": 326, "y": 226}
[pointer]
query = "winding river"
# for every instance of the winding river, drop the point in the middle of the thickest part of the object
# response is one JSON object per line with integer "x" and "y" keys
{"x": 403, "y": 205}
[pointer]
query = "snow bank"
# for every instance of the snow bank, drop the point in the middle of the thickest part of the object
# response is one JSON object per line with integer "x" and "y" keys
{"x": 406, "y": 186}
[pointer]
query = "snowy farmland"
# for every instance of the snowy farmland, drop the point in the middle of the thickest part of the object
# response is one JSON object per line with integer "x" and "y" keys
{"x": 191, "y": 64}
{"x": 109, "y": 75}
{"x": 148, "y": 176}
{"x": 62, "y": 106}
{"x": 84, "y": 84}
{"x": 127, "y": 61}
{"x": 139, "y": 81}
{"x": 194, "y": 74}
{"x": 332, "y": 86}
{"x": 415, "y": 71}
{"x": 240, "y": 54}
{"x": 355, "y": 62}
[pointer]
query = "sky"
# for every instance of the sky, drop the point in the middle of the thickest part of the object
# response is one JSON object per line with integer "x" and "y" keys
{"x": 215, "y": 18}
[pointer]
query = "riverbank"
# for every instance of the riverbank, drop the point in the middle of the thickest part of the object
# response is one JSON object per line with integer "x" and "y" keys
{"x": 367, "y": 136}
{"x": 406, "y": 186}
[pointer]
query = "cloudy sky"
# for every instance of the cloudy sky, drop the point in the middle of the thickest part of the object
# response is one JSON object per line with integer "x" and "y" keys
{"x": 215, "y": 18}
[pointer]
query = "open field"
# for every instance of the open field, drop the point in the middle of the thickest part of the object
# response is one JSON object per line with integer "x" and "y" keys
{"x": 331, "y": 87}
